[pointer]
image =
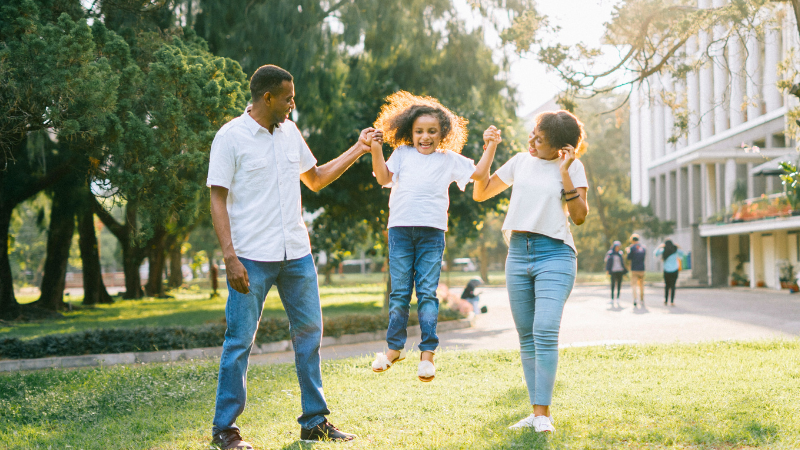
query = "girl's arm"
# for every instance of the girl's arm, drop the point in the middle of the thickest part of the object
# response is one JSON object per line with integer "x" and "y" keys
{"x": 491, "y": 137}
{"x": 487, "y": 187}
{"x": 578, "y": 206}
{"x": 382, "y": 174}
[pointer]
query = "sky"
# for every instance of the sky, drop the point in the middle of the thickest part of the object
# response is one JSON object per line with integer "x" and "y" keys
{"x": 580, "y": 21}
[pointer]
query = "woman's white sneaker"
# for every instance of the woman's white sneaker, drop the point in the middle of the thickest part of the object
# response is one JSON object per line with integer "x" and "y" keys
{"x": 540, "y": 424}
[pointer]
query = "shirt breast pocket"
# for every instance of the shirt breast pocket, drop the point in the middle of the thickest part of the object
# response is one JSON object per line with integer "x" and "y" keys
{"x": 255, "y": 174}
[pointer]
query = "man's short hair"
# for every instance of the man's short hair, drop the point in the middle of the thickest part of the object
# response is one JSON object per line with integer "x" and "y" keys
{"x": 266, "y": 78}
{"x": 635, "y": 237}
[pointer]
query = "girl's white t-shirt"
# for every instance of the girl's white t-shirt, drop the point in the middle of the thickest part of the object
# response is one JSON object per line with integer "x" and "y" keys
{"x": 536, "y": 202}
{"x": 420, "y": 186}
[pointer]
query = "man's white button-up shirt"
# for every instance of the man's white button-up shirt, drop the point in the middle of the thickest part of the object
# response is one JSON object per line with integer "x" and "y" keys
{"x": 262, "y": 174}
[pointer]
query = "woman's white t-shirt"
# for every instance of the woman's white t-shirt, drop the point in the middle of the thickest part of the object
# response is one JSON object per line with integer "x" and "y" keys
{"x": 420, "y": 183}
{"x": 536, "y": 202}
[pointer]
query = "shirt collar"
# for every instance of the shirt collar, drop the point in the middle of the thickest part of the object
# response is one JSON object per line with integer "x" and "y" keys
{"x": 251, "y": 123}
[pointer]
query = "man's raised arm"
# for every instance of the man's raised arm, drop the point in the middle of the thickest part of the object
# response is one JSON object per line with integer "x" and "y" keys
{"x": 317, "y": 178}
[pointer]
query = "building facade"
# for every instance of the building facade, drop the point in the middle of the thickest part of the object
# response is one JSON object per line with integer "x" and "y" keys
{"x": 713, "y": 182}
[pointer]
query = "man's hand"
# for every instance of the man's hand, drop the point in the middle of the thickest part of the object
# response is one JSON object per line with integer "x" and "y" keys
{"x": 492, "y": 134}
{"x": 364, "y": 143}
{"x": 237, "y": 275}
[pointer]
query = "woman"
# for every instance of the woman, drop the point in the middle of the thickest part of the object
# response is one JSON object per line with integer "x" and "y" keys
{"x": 671, "y": 255}
{"x": 615, "y": 267}
{"x": 549, "y": 184}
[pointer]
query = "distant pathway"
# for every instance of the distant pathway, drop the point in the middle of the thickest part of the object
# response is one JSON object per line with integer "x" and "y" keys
{"x": 589, "y": 319}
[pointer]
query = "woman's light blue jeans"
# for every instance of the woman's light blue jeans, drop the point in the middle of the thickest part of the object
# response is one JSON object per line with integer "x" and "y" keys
{"x": 415, "y": 261}
{"x": 540, "y": 273}
{"x": 297, "y": 286}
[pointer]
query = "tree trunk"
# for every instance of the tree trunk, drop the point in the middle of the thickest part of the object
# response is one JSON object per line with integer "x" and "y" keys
{"x": 9, "y": 308}
{"x": 484, "y": 263}
{"x": 175, "y": 272}
{"x": 94, "y": 290}
{"x": 59, "y": 240}
{"x": 156, "y": 257}
{"x": 132, "y": 255}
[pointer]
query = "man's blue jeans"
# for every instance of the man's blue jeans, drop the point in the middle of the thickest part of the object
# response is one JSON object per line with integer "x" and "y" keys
{"x": 297, "y": 286}
{"x": 415, "y": 261}
{"x": 540, "y": 274}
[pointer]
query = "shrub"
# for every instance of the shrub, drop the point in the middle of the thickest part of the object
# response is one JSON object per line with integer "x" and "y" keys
{"x": 148, "y": 339}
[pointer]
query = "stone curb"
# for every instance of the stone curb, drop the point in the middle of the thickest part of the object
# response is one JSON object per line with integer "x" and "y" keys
{"x": 111, "y": 359}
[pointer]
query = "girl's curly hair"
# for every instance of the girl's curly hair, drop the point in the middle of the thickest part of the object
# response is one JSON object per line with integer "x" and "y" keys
{"x": 561, "y": 128}
{"x": 402, "y": 109}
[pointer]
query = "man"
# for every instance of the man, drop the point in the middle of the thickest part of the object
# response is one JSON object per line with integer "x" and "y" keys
{"x": 257, "y": 163}
{"x": 636, "y": 255}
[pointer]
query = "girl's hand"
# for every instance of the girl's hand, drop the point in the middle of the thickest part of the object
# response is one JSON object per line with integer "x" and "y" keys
{"x": 377, "y": 137}
{"x": 492, "y": 134}
{"x": 567, "y": 155}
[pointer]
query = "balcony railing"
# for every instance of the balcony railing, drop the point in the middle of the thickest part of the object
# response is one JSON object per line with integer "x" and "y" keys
{"x": 759, "y": 208}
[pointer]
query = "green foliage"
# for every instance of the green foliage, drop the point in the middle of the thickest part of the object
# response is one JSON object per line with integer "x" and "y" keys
{"x": 791, "y": 182}
{"x": 147, "y": 339}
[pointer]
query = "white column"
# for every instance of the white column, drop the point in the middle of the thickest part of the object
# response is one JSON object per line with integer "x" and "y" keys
{"x": 706, "y": 82}
{"x": 659, "y": 139}
{"x": 730, "y": 180}
{"x": 668, "y": 197}
{"x": 679, "y": 206}
{"x": 693, "y": 93}
{"x": 636, "y": 146}
{"x": 669, "y": 118}
{"x": 646, "y": 137}
{"x": 720, "y": 191}
{"x": 659, "y": 202}
{"x": 772, "y": 51}
{"x": 750, "y": 185}
{"x": 721, "y": 93}
{"x": 753, "y": 65}
{"x": 710, "y": 197}
{"x": 738, "y": 80}
{"x": 691, "y": 190}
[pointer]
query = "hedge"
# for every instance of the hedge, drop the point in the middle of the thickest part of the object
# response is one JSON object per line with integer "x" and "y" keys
{"x": 148, "y": 339}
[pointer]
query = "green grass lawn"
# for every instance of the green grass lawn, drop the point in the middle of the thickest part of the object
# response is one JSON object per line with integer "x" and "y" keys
{"x": 191, "y": 306}
{"x": 709, "y": 396}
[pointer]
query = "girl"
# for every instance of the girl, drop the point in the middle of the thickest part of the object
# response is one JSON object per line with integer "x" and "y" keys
{"x": 428, "y": 139}
{"x": 670, "y": 254}
{"x": 549, "y": 185}
{"x": 615, "y": 266}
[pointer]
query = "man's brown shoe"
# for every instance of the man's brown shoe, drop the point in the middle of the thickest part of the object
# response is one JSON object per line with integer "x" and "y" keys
{"x": 325, "y": 432}
{"x": 230, "y": 440}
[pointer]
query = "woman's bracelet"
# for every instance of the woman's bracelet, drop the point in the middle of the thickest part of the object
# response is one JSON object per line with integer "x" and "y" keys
{"x": 566, "y": 193}
{"x": 573, "y": 198}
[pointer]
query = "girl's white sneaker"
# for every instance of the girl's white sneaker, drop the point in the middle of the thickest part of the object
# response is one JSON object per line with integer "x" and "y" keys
{"x": 540, "y": 424}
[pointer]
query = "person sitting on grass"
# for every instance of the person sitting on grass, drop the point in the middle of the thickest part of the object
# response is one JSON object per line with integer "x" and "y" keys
{"x": 428, "y": 139}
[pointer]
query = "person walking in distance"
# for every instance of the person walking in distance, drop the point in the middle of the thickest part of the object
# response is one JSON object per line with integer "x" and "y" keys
{"x": 255, "y": 168}
{"x": 636, "y": 255}
{"x": 615, "y": 266}
{"x": 671, "y": 255}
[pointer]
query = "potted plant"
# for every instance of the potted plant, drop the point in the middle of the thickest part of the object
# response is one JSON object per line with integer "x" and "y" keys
{"x": 738, "y": 277}
{"x": 787, "y": 275}
{"x": 791, "y": 184}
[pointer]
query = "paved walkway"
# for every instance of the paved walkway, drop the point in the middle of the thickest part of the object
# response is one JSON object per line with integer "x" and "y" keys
{"x": 590, "y": 319}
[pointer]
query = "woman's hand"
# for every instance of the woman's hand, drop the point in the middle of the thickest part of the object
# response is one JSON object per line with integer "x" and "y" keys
{"x": 492, "y": 135}
{"x": 567, "y": 155}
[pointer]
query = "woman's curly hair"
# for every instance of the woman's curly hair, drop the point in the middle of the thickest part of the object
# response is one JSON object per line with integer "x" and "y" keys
{"x": 561, "y": 128}
{"x": 402, "y": 109}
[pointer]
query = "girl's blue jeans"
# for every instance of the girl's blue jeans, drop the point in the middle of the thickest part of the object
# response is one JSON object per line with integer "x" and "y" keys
{"x": 297, "y": 286}
{"x": 415, "y": 261}
{"x": 540, "y": 274}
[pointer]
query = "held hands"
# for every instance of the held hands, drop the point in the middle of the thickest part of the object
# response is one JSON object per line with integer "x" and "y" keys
{"x": 567, "y": 156}
{"x": 492, "y": 136}
{"x": 364, "y": 143}
{"x": 377, "y": 138}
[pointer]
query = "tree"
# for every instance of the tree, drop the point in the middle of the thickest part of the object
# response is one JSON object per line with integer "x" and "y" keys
{"x": 53, "y": 79}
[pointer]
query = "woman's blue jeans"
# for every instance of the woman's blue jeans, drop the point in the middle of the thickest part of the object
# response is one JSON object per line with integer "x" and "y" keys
{"x": 297, "y": 286}
{"x": 415, "y": 261}
{"x": 540, "y": 274}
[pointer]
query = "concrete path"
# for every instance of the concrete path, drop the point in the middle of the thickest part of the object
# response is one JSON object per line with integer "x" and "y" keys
{"x": 590, "y": 319}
